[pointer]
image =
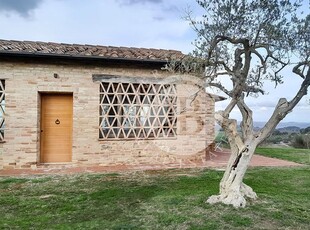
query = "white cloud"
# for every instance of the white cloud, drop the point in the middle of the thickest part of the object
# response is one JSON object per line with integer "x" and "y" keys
{"x": 103, "y": 22}
{"x": 22, "y": 7}
{"x": 129, "y": 2}
{"x": 144, "y": 23}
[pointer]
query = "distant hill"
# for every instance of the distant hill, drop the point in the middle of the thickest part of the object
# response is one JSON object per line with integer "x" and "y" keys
{"x": 300, "y": 125}
{"x": 259, "y": 124}
{"x": 289, "y": 129}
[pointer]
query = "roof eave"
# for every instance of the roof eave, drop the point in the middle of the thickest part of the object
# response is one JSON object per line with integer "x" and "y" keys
{"x": 82, "y": 57}
{"x": 217, "y": 98}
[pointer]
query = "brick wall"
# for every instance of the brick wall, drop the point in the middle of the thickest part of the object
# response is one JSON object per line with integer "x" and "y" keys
{"x": 24, "y": 83}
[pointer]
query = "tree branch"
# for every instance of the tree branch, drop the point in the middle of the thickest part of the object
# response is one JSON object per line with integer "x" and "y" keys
{"x": 229, "y": 107}
{"x": 297, "y": 71}
{"x": 247, "y": 119}
{"x": 217, "y": 63}
{"x": 283, "y": 108}
{"x": 220, "y": 87}
{"x": 252, "y": 89}
{"x": 235, "y": 41}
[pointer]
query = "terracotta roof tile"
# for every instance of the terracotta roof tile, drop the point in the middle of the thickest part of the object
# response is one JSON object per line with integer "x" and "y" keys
{"x": 36, "y": 48}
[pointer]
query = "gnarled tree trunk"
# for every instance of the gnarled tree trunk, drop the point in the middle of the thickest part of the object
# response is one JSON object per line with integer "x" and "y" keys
{"x": 232, "y": 189}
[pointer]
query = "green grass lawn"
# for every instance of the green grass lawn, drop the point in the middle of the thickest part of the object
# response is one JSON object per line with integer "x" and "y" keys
{"x": 291, "y": 154}
{"x": 168, "y": 199}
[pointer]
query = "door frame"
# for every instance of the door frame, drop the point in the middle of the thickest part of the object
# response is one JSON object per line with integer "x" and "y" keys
{"x": 40, "y": 95}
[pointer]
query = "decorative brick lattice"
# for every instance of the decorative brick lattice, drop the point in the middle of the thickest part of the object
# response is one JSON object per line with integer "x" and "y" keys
{"x": 2, "y": 109}
{"x": 137, "y": 111}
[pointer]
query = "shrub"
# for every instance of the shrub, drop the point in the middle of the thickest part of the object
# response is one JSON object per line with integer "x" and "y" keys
{"x": 301, "y": 141}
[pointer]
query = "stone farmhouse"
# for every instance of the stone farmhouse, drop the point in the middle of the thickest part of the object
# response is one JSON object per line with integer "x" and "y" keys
{"x": 97, "y": 105}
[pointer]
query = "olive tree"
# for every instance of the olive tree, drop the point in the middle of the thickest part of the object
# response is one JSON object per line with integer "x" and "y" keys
{"x": 248, "y": 42}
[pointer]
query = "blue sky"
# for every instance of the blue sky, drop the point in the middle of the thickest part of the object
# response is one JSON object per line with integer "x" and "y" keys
{"x": 131, "y": 23}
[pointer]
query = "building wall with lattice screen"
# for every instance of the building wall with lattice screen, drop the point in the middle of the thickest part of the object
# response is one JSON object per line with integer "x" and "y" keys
{"x": 115, "y": 122}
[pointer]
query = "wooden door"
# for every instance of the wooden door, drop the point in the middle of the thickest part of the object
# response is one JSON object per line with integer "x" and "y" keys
{"x": 56, "y": 128}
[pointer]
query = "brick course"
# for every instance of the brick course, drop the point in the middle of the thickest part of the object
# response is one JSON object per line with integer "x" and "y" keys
{"x": 26, "y": 80}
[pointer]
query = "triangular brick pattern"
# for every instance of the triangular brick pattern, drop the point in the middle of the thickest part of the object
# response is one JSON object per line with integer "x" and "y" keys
{"x": 2, "y": 109}
{"x": 137, "y": 111}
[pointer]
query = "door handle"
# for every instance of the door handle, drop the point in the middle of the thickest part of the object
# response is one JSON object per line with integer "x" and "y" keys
{"x": 57, "y": 122}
